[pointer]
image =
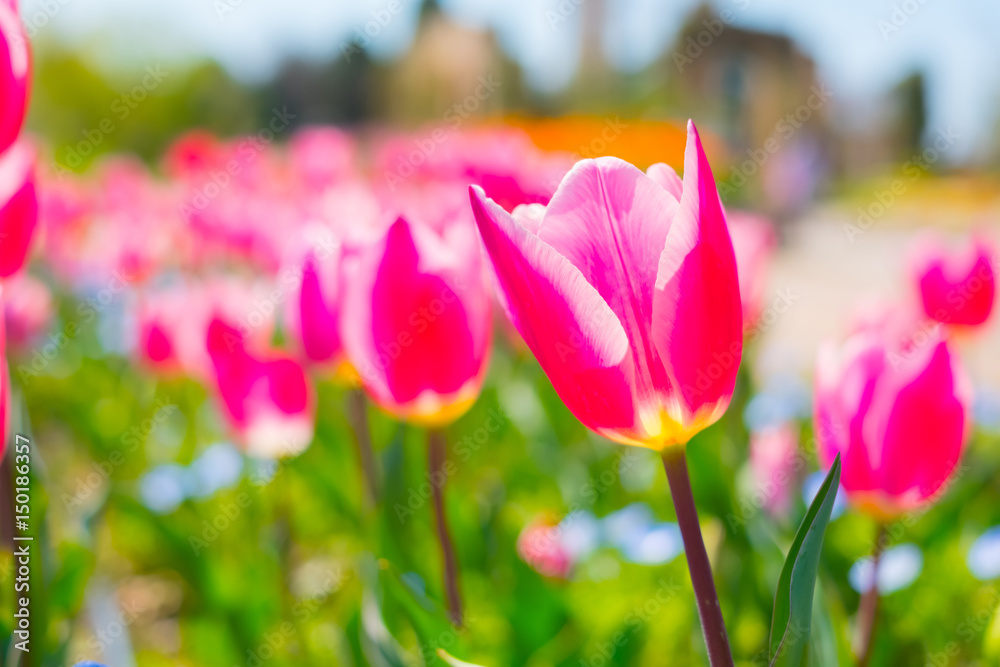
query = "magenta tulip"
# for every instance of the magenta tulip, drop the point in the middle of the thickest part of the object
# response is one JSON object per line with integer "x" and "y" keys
{"x": 172, "y": 323}
{"x": 18, "y": 206}
{"x": 626, "y": 290}
{"x": 417, "y": 324}
{"x": 267, "y": 399}
{"x": 898, "y": 417}
{"x": 15, "y": 74}
{"x": 956, "y": 288}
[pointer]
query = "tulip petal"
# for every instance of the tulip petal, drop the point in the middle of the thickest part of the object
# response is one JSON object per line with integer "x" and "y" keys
{"x": 845, "y": 389}
{"x": 19, "y": 207}
{"x": 923, "y": 432}
{"x": 413, "y": 330}
{"x": 957, "y": 288}
{"x": 697, "y": 316}
{"x": 318, "y": 322}
{"x": 610, "y": 220}
{"x": 235, "y": 369}
{"x": 576, "y": 337}
{"x": 15, "y": 75}
{"x": 665, "y": 176}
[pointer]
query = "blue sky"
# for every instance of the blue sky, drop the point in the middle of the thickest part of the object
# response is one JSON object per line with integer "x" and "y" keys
{"x": 862, "y": 47}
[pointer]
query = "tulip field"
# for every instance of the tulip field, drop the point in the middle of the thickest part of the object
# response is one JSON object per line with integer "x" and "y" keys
{"x": 406, "y": 397}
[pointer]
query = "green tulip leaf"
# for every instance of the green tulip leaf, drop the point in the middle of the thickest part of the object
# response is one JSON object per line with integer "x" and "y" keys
{"x": 792, "y": 617}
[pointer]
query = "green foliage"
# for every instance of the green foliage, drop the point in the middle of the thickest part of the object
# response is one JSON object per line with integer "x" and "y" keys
{"x": 288, "y": 567}
{"x": 793, "y": 601}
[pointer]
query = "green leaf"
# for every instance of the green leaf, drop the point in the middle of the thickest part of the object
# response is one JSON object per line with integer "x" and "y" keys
{"x": 792, "y": 617}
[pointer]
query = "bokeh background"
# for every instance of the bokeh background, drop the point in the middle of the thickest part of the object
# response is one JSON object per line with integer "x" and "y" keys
{"x": 853, "y": 126}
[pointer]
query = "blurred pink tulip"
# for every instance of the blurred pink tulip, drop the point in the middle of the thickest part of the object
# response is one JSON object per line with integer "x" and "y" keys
{"x": 898, "y": 417}
{"x": 18, "y": 205}
{"x": 539, "y": 546}
{"x": 313, "y": 314}
{"x": 627, "y": 293}
{"x": 27, "y": 309}
{"x": 956, "y": 288}
{"x": 417, "y": 324}
{"x": 267, "y": 399}
{"x": 754, "y": 241}
{"x": 322, "y": 156}
{"x": 774, "y": 462}
{"x": 503, "y": 161}
{"x": 15, "y": 74}
{"x": 172, "y": 322}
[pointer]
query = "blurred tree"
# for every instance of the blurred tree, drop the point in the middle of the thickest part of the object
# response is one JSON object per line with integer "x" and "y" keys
{"x": 911, "y": 110}
{"x": 82, "y": 112}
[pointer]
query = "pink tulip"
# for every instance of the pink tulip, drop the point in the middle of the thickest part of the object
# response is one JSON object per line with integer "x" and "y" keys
{"x": 627, "y": 293}
{"x": 18, "y": 205}
{"x": 15, "y": 74}
{"x": 956, "y": 288}
{"x": 539, "y": 546}
{"x": 267, "y": 399}
{"x": 172, "y": 323}
{"x": 754, "y": 241}
{"x": 27, "y": 309}
{"x": 313, "y": 312}
{"x": 322, "y": 156}
{"x": 417, "y": 321}
{"x": 898, "y": 417}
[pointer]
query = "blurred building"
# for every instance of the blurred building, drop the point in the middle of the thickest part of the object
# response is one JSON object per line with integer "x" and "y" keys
{"x": 761, "y": 93}
{"x": 451, "y": 73}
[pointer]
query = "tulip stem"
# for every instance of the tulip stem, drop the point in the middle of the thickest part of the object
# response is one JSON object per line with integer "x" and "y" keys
{"x": 868, "y": 607}
{"x": 712, "y": 625}
{"x": 436, "y": 446}
{"x": 357, "y": 415}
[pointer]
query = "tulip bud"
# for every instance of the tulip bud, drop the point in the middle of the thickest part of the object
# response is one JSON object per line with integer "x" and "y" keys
{"x": 897, "y": 415}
